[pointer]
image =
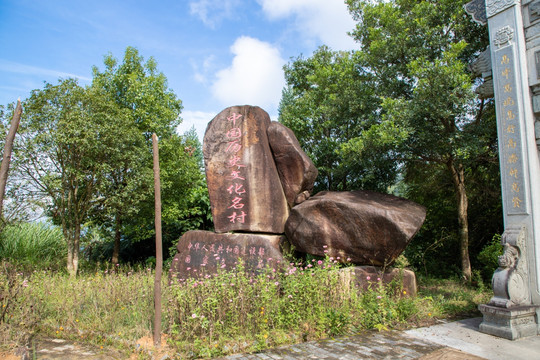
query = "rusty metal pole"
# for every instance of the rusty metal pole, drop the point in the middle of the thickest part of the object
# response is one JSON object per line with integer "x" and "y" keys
{"x": 159, "y": 251}
{"x": 8, "y": 147}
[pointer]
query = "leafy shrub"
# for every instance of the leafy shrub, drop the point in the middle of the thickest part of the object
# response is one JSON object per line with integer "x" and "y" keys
{"x": 489, "y": 257}
{"x": 237, "y": 311}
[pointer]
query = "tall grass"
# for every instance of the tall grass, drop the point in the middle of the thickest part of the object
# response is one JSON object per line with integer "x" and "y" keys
{"x": 216, "y": 315}
{"x": 33, "y": 244}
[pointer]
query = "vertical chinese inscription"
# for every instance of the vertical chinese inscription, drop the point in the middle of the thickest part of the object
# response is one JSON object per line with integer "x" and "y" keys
{"x": 235, "y": 176}
{"x": 243, "y": 183}
{"x": 512, "y": 170}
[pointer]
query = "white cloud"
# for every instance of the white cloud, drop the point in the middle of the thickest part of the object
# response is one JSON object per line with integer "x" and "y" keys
{"x": 255, "y": 76}
{"x": 201, "y": 70}
{"x": 197, "y": 119}
{"x": 327, "y": 20}
{"x": 212, "y": 12}
{"x": 17, "y": 68}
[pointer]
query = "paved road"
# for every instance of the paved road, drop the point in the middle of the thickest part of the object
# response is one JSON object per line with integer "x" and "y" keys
{"x": 369, "y": 345}
{"x": 465, "y": 336}
{"x": 458, "y": 340}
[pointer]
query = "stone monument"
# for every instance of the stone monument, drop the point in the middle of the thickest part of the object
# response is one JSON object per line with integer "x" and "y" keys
{"x": 243, "y": 182}
{"x": 249, "y": 207}
{"x": 260, "y": 182}
{"x": 514, "y": 30}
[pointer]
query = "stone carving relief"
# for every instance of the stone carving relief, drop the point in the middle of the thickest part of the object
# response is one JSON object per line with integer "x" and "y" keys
{"x": 477, "y": 9}
{"x": 534, "y": 11}
{"x": 510, "y": 280}
{"x": 509, "y": 258}
{"x": 536, "y": 109}
{"x": 503, "y": 36}
{"x": 493, "y": 7}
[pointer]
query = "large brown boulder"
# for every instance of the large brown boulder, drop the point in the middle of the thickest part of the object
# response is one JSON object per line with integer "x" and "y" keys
{"x": 361, "y": 227}
{"x": 206, "y": 253}
{"x": 296, "y": 170}
{"x": 243, "y": 182}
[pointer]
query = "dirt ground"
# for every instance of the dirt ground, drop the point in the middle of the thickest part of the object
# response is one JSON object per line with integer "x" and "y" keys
{"x": 60, "y": 349}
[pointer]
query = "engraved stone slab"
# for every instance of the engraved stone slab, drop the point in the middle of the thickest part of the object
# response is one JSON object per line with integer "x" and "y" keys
{"x": 243, "y": 182}
{"x": 493, "y": 7}
{"x": 515, "y": 71}
{"x": 204, "y": 253}
{"x": 510, "y": 132}
{"x": 367, "y": 277}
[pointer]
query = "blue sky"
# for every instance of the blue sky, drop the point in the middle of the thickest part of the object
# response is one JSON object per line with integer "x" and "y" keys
{"x": 215, "y": 53}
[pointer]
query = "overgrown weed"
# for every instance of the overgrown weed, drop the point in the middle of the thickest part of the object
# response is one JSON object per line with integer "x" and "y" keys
{"x": 234, "y": 311}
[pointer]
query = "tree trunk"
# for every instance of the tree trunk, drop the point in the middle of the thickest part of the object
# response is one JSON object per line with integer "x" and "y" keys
{"x": 117, "y": 236}
{"x": 70, "y": 267}
{"x": 74, "y": 240}
{"x": 159, "y": 250}
{"x": 458, "y": 177}
{"x": 8, "y": 147}
{"x": 76, "y": 247}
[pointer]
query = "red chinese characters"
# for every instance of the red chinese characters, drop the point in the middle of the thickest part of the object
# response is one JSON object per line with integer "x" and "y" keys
{"x": 198, "y": 255}
{"x": 235, "y": 169}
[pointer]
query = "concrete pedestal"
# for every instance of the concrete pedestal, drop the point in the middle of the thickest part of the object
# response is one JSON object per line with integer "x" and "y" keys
{"x": 509, "y": 323}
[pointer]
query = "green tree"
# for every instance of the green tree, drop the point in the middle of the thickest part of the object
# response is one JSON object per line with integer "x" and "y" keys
{"x": 185, "y": 201}
{"x": 329, "y": 101}
{"x": 137, "y": 87}
{"x": 418, "y": 52}
{"x": 68, "y": 134}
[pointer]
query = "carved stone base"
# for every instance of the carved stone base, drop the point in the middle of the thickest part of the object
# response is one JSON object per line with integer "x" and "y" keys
{"x": 366, "y": 277}
{"x": 509, "y": 323}
{"x": 203, "y": 253}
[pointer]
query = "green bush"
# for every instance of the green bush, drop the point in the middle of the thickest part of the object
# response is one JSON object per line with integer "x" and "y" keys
{"x": 489, "y": 256}
{"x": 241, "y": 312}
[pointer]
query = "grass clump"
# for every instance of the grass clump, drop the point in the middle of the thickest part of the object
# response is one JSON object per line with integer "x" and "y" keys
{"x": 33, "y": 245}
{"x": 238, "y": 311}
{"x": 450, "y": 299}
{"x": 106, "y": 307}
{"x": 17, "y": 316}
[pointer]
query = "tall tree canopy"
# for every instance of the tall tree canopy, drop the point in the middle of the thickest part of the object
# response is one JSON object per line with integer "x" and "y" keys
{"x": 329, "y": 102}
{"x": 407, "y": 102}
{"x": 138, "y": 86}
{"x": 141, "y": 91}
{"x": 86, "y": 153}
{"x": 68, "y": 135}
